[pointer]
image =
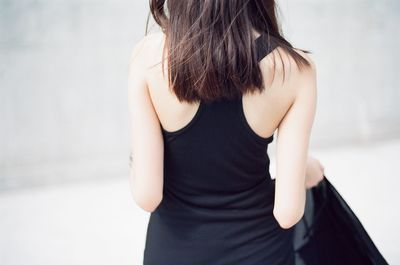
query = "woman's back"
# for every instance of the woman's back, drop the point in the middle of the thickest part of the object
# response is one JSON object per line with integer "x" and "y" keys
{"x": 263, "y": 110}
{"x": 217, "y": 205}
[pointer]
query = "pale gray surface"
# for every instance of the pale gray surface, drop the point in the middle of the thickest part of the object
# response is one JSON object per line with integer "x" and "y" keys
{"x": 63, "y": 88}
{"x": 99, "y": 223}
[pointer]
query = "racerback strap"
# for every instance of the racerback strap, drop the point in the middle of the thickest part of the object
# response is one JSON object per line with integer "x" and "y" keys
{"x": 264, "y": 43}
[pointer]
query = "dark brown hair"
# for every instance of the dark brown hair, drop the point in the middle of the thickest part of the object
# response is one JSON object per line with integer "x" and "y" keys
{"x": 211, "y": 49}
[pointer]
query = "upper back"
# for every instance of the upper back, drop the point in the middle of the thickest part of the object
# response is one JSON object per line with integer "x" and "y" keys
{"x": 263, "y": 111}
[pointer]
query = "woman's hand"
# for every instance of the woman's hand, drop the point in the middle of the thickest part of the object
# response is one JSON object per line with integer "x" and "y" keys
{"x": 314, "y": 172}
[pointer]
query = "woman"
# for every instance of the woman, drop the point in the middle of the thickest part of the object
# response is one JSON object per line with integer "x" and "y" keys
{"x": 206, "y": 96}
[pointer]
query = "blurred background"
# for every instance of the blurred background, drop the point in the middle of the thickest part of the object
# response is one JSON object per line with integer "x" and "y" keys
{"x": 64, "y": 131}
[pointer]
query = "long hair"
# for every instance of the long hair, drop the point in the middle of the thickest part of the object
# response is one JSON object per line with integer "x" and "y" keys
{"x": 211, "y": 50}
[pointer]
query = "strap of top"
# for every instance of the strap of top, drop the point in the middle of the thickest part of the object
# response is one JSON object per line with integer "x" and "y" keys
{"x": 264, "y": 43}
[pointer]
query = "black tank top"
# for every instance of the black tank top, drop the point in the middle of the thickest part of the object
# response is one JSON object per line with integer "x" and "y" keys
{"x": 218, "y": 194}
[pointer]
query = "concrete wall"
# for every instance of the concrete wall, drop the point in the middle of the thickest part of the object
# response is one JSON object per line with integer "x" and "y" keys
{"x": 63, "y": 76}
{"x": 355, "y": 47}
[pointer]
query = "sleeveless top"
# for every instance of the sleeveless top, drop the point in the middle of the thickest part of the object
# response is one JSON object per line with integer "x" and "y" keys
{"x": 218, "y": 197}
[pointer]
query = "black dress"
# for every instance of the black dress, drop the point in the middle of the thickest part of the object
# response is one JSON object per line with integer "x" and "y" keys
{"x": 218, "y": 194}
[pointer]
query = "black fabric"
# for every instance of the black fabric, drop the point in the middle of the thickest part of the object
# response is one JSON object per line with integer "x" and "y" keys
{"x": 218, "y": 193}
{"x": 330, "y": 233}
{"x": 218, "y": 198}
{"x": 264, "y": 45}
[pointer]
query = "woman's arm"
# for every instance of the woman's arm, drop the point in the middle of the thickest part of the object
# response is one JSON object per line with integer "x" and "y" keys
{"x": 147, "y": 146}
{"x": 292, "y": 147}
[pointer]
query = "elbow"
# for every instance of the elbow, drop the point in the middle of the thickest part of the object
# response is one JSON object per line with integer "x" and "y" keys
{"x": 148, "y": 203}
{"x": 287, "y": 219}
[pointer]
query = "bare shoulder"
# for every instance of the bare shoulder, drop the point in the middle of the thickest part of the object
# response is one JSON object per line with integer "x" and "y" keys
{"x": 306, "y": 76}
{"x": 285, "y": 63}
{"x": 283, "y": 70}
{"x": 307, "y": 57}
{"x": 148, "y": 49}
{"x": 142, "y": 58}
{"x": 284, "y": 80}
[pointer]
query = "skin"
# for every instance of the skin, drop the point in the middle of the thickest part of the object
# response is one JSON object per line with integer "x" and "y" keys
{"x": 288, "y": 107}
